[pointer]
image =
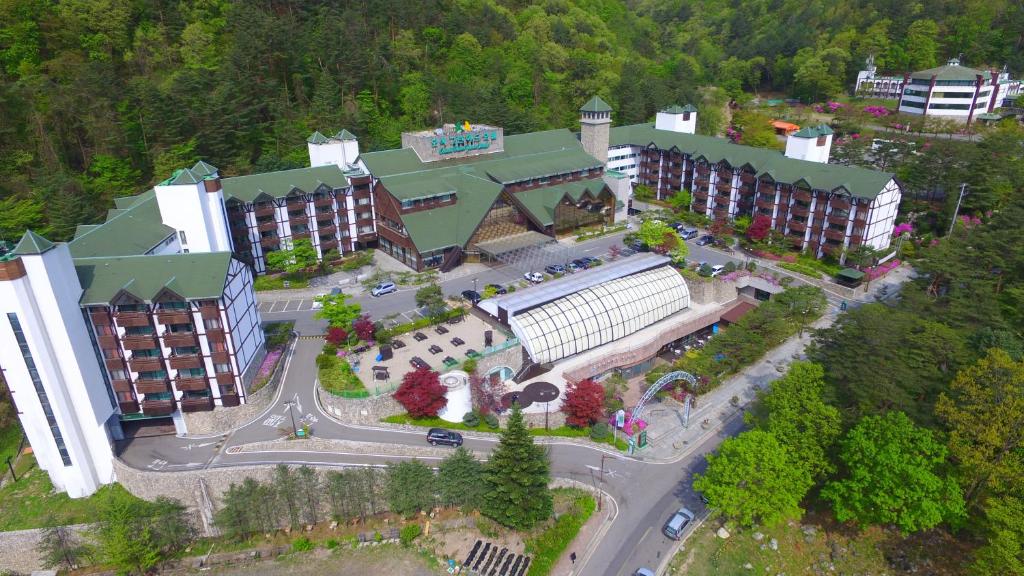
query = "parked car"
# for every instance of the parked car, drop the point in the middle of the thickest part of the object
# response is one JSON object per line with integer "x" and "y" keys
{"x": 498, "y": 288}
{"x": 677, "y": 524}
{"x": 441, "y": 436}
{"x": 687, "y": 233}
{"x": 576, "y": 266}
{"x": 717, "y": 269}
{"x": 705, "y": 240}
{"x": 591, "y": 261}
{"x": 534, "y": 277}
{"x": 472, "y": 295}
{"x": 643, "y": 572}
{"x": 335, "y": 291}
{"x": 383, "y": 288}
{"x": 554, "y": 269}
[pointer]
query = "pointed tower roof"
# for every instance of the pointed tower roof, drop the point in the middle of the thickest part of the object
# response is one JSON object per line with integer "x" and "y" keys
{"x": 596, "y": 104}
{"x": 317, "y": 138}
{"x": 32, "y": 243}
{"x": 183, "y": 176}
{"x": 345, "y": 135}
{"x": 202, "y": 169}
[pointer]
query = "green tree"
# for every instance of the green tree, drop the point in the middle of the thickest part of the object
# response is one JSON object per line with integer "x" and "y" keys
{"x": 431, "y": 298}
{"x": 680, "y": 201}
{"x": 309, "y": 485}
{"x": 410, "y": 487}
{"x": 60, "y": 547}
{"x": 181, "y": 155}
{"x": 984, "y": 413}
{"x": 18, "y": 215}
{"x": 516, "y": 478}
{"x": 110, "y": 176}
{"x": 802, "y": 305}
{"x": 287, "y": 494}
{"x": 300, "y": 257}
{"x": 922, "y": 44}
{"x": 133, "y": 535}
{"x": 655, "y": 232}
{"x": 794, "y": 412}
{"x": 754, "y": 480}
{"x": 892, "y": 473}
{"x": 337, "y": 312}
{"x": 460, "y": 479}
{"x": 248, "y": 508}
{"x": 1003, "y": 552}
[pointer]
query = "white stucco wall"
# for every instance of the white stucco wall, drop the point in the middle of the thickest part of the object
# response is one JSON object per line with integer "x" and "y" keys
{"x": 882, "y": 217}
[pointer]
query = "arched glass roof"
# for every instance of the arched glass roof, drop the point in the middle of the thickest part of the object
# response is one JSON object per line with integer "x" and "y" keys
{"x": 600, "y": 314}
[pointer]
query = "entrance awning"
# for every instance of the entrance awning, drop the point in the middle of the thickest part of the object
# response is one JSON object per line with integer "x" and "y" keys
{"x": 495, "y": 248}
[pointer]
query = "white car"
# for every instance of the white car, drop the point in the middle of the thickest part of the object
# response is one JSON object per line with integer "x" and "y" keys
{"x": 717, "y": 269}
{"x": 534, "y": 277}
{"x": 383, "y": 288}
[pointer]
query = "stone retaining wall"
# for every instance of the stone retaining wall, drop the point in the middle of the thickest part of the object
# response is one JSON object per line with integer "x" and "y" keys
{"x": 18, "y": 549}
{"x": 315, "y": 444}
{"x": 511, "y": 357}
{"x": 710, "y": 290}
{"x": 367, "y": 411}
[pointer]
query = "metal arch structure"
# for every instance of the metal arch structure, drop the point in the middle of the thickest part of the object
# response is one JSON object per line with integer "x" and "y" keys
{"x": 662, "y": 382}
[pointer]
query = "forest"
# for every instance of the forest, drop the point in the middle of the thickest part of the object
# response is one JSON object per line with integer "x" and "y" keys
{"x": 101, "y": 98}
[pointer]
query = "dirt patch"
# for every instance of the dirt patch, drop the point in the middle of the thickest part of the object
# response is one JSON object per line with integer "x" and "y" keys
{"x": 358, "y": 562}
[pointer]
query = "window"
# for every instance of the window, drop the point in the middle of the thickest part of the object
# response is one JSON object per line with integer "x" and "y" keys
{"x": 910, "y": 104}
{"x": 154, "y": 375}
{"x": 936, "y": 106}
{"x": 181, "y": 236}
{"x": 192, "y": 373}
{"x": 362, "y": 201}
{"x": 138, "y": 331}
{"x": 184, "y": 351}
{"x": 212, "y": 324}
{"x": 222, "y": 368}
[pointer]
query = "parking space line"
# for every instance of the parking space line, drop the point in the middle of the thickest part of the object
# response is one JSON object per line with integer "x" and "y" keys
{"x": 288, "y": 307}
{"x": 274, "y": 306}
{"x": 305, "y": 304}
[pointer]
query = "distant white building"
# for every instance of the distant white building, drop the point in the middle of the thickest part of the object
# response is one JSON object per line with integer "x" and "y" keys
{"x": 949, "y": 91}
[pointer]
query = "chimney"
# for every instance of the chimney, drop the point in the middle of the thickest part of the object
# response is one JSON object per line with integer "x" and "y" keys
{"x": 595, "y": 125}
{"x": 677, "y": 119}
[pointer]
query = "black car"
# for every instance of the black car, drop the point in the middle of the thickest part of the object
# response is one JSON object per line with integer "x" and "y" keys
{"x": 441, "y": 436}
{"x": 472, "y": 295}
{"x": 591, "y": 261}
{"x": 580, "y": 264}
{"x": 705, "y": 240}
{"x": 498, "y": 289}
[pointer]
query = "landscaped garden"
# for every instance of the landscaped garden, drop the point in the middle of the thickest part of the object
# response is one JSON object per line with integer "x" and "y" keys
{"x": 277, "y": 336}
{"x": 293, "y": 268}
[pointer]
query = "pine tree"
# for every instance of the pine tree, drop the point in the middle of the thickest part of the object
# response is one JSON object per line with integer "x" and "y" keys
{"x": 459, "y": 477}
{"x": 516, "y": 478}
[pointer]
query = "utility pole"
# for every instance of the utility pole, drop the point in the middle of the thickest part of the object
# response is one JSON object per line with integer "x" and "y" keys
{"x": 295, "y": 429}
{"x": 963, "y": 190}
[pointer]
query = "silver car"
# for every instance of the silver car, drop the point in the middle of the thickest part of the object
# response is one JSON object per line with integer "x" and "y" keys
{"x": 677, "y": 524}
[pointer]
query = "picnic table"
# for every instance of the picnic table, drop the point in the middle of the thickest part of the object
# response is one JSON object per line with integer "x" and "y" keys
{"x": 441, "y": 330}
{"x": 471, "y": 353}
{"x": 449, "y": 362}
{"x": 418, "y": 362}
{"x": 435, "y": 349}
{"x": 457, "y": 341}
{"x": 419, "y": 336}
{"x": 397, "y": 344}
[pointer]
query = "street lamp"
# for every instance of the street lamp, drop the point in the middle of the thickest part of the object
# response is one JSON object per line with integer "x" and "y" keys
{"x": 295, "y": 429}
{"x": 474, "y": 285}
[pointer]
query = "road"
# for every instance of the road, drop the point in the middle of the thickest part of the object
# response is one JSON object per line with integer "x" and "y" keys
{"x": 644, "y": 494}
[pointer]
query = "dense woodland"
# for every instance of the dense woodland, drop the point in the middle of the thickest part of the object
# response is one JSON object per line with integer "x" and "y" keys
{"x": 99, "y": 98}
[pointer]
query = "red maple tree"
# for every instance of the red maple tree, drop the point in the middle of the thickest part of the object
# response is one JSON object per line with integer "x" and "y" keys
{"x": 486, "y": 393}
{"x": 758, "y": 229}
{"x": 583, "y": 404}
{"x": 364, "y": 328}
{"x": 421, "y": 393}
{"x": 336, "y": 335}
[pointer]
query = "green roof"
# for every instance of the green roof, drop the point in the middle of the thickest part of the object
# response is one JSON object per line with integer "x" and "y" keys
{"x": 135, "y": 229}
{"x": 317, "y": 138}
{"x": 32, "y": 243}
{"x": 345, "y": 135}
{"x": 541, "y": 202}
{"x": 193, "y": 276}
{"x": 279, "y": 184}
{"x": 203, "y": 170}
{"x": 949, "y": 72}
{"x": 859, "y": 182}
{"x": 850, "y": 274}
{"x": 180, "y": 177}
{"x": 452, "y": 225}
{"x": 596, "y": 104}
{"x": 813, "y": 131}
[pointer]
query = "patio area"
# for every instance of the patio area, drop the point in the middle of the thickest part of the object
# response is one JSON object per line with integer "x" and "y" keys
{"x": 442, "y": 348}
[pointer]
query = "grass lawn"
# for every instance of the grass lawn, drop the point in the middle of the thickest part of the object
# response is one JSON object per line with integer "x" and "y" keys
{"x": 10, "y": 438}
{"x": 28, "y": 502}
{"x": 573, "y": 507}
{"x": 337, "y": 377}
{"x": 562, "y": 432}
{"x": 277, "y": 283}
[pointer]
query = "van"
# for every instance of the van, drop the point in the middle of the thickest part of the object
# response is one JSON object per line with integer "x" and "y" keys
{"x": 383, "y": 288}
{"x": 441, "y": 436}
{"x": 688, "y": 233}
{"x": 676, "y": 525}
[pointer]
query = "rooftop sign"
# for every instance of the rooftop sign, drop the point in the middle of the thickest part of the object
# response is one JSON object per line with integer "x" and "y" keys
{"x": 454, "y": 141}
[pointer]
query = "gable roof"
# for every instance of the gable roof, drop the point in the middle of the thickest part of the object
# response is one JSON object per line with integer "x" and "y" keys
{"x": 859, "y": 182}
{"x": 203, "y": 169}
{"x": 317, "y": 138}
{"x": 949, "y": 72}
{"x": 677, "y": 109}
{"x": 541, "y": 202}
{"x": 279, "y": 184}
{"x": 451, "y": 225}
{"x": 345, "y": 135}
{"x": 134, "y": 229}
{"x": 596, "y": 104}
{"x": 813, "y": 131}
{"x": 32, "y": 243}
{"x": 196, "y": 276}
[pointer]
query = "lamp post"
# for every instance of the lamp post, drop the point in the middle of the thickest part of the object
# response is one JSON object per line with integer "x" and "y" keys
{"x": 295, "y": 429}
{"x": 474, "y": 285}
{"x": 963, "y": 190}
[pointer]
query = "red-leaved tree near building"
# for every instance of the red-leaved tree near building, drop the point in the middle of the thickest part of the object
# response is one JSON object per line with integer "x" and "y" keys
{"x": 486, "y": 392}
{"x": 583, "y": 404}
{"x": 421, "y": 393}
{"x": 364, "y": 328}
{"x": 336, "y": 335}
{"x": 759, "y": 228}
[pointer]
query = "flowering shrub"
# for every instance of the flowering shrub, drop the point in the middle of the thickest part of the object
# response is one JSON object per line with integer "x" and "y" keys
{"x": 791, "y": 258}
{"x": 969, "y": 221}
{"x": 877, "y": 111}
{"x": 733, "y": 135}
{"x": 899, "y": 229}
{"x": 882, "y": 269}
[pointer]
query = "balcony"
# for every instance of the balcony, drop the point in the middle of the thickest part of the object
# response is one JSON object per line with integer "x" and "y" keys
{"x": 765, "y": 188}
{"x": 721, "y": 213}
{"x": 298, "y": 218}
{"x": 132, "y": 319}
{"x": 799, "y": 210}
{"x": 301, "y": 235}
{"x": 174, "y": 317}
{"x": 700, "y": 194}
{"x": 230, "y": 400}
{"x": 145, "y": 364}
{"x": 860, "y": 222}
{"x": 838, "y": 220}
{"x": 185, "y": 361}
{"x": 152, "y": 386}
{"x": 721, "y": 200}
{"x": 100, "y": 318}
{"x": 157, "y": 407}
{"x": 179, "y": 339}
{"x": 191, "y": 384}
{"x": 326, "y": 202}
{"x": 747, "y": 178}
{"x": 796, "y": 226}
{"x": 699, "y": 207}
{"x": 196, "y": 404}
{"x": 266, "y": 226}
{"x": 114, "y": 363}
{"x": 209, "y": 312}
{"x": 325, "y": 229}
{"x": 836, "y": 235}
{"x": 139, "y": 342}
{"x": 700, "y": 180}
{"x": 326, "y": 245}
{"x": 766, "y": 204}
{"x": 802, "y": 196}
{"x": 215, "y": 335}
{"x": 840, "y": 204}
{"x": 220, "y": 357}
{"x": 270, "y": 242}
{"x": 856, "y": 240}
{"x": 263, "y": 211}
{"x": 225, "y": 379}
{"x": 131, "y": 407}
{"x": 121, "y": 385}
{"x": 107, "y": 341}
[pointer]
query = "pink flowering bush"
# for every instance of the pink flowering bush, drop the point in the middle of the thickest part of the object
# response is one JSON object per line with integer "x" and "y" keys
{"x": 969, "y": 221}
{"x": 876, "y": 272}
{"x": 899, "y": 229}
{"x": 834, "y": 106}
{"x": 877, "y": 111}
